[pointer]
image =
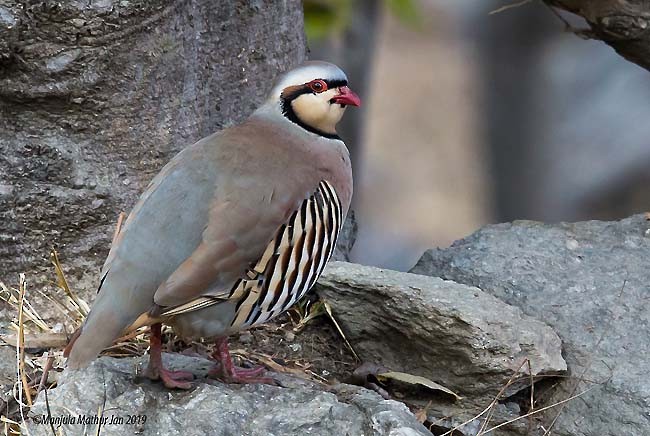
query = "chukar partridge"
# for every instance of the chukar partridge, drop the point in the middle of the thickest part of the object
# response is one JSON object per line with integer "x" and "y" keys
{"x": 233, "y": 230}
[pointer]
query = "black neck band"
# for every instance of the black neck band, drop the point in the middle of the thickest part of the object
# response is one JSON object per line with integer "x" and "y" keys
{"x": 288, "y": 112}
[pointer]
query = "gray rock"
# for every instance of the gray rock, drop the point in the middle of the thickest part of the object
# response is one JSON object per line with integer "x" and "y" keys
{"x": 214, "y": 408}
{"x": 7, "y": 373}
{"x": 347, "y": 238}
{"x": 590, "y": 281}
{"x": 454, "y": 334}
{"x": 7, "y": 365}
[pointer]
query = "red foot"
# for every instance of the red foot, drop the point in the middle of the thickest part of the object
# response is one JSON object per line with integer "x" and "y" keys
{"x": 229, "y": 373}
{"x": 156, "y": 371}
{"x": 217, "y": 372}
{"x": 173, "y": 379}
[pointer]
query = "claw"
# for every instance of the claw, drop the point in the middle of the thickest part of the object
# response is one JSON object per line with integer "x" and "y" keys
{"x": 217, "y": 372}
{"x": 229, "y": 373}
{"x": 174, "y": 379}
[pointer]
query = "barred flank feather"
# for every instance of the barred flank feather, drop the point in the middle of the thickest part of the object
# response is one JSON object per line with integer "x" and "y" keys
{"x": 289, "y": 267}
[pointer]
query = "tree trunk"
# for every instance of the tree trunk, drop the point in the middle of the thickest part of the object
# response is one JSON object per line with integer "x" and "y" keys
{"x": 510, "y": 49}
{"x": 622, "y": 24}
{"x": 95, "y": 97}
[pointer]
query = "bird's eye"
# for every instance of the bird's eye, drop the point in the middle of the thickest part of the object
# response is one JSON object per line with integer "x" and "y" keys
{"x": 317, "y": 85}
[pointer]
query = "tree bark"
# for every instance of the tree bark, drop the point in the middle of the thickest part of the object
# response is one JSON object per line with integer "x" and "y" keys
{"x": 95, "y": 97}
{"x": 622, "y": 24}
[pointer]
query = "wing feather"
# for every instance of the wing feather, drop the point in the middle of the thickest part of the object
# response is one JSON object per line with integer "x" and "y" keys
{"x": 289, "y": 266}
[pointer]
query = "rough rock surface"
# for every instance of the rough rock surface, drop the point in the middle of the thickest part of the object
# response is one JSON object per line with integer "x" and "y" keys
{"x": 7, "y": 373}
{"x": 347, "y": 238}
{"x": 7, "y": 365}
{"x": 454, "y": 334}
{"x": 299, "y": 408}
{"x": 95, "y": 97}
{"x": 590, "y": 281}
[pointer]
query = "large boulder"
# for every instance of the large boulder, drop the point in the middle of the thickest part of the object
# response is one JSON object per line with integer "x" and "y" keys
{"x": 453, "y": 334}
{"x": 107, "y": 388}
{"x": 590, "y": 281}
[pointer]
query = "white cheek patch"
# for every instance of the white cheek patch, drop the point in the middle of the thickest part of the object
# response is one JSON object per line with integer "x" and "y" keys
{"x": 335, "y": 112}
{"x": 317, "y": 111}
{"x": 329, "y": 94}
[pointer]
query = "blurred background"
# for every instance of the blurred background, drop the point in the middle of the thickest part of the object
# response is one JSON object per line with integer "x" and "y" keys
{"x": 474, "y": 114}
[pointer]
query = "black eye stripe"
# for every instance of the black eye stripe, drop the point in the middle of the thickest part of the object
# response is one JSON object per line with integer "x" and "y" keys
{"x": 335, "y": 83}
{"x": 305, "y": 89}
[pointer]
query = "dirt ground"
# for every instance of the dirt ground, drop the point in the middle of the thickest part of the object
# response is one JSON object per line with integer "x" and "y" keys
{"x": 316, "y": 351}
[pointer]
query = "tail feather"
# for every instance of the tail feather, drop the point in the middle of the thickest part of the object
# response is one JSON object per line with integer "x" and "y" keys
{"x": 106, "y": 322}
{"x": 73, "y": 339}
{"x": 145, "y": 319}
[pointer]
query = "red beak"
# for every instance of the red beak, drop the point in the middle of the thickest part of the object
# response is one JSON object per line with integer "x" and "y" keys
{"x": 347, "y": 96}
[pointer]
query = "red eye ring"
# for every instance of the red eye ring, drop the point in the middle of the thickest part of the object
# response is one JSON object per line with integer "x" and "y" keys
{"x": 317, "y": 85}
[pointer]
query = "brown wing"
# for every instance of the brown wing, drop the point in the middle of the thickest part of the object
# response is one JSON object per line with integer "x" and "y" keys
{"x": 291, "y": 264}
{"x": 239, "y": 227}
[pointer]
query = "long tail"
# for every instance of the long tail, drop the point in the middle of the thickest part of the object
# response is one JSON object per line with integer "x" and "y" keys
{"x": 108, "y": 318}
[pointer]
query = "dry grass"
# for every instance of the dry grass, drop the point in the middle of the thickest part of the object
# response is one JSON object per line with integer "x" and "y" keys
{"x": 510, "y": 6}
{"x": 534, "y": 410}
{"x": 36, "y": 373}
{"x": 30, "y": 331}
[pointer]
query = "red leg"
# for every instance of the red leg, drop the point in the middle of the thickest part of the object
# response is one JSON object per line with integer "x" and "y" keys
{"x": 229, "y": 373}
{"x": 156, "y": 371}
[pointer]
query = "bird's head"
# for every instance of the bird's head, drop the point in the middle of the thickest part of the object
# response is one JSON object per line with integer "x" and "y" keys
{"x": 314, "y": 96}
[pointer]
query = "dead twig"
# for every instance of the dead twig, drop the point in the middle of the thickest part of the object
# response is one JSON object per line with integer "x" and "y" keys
{"x": 46, "y": 371}
{"x": 328, "y": 309}
{"x": 489, "y": 407}
{"x": 532, "y": 396}
{"x": 46, "y": 340}
{"x": 540, "y": 410}
{"x": 510, "y": 6}
{"x": 80, "y": 306}
{"x": 118, "y": 227}
{"x": 302, "y": 372}
{"x": 20, "y": 345}
{"x": 49, "y": 413}
{"x": 590, "y": 362}
{"x": 495, "y": 401}
{"x": 12, "y": 297}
